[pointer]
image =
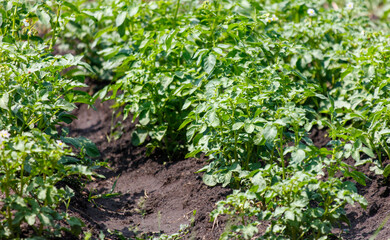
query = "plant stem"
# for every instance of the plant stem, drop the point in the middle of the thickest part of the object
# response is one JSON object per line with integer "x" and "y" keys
{"x": 7, "y": 194}
{"x": 296, "y": 129}
{"x": 13, "y": 22}
{"x": 21, "y": 177}
{"x": 53, "y": 40}
{"x": 281, "y": 152}
{"x": 176, "y": 11}
{"x": 235, "y": 146}
{"x": 249, "y": 154}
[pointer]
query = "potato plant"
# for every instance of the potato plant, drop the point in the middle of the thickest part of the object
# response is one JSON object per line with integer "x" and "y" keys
{"x": 248, "y": 81}
{"x": 35, "y": 98}
{"x": 243, "y": 82}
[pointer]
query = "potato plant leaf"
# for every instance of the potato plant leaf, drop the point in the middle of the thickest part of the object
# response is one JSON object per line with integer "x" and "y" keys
{"x": 209, "y": 63}
{"x": 138, "y": 137}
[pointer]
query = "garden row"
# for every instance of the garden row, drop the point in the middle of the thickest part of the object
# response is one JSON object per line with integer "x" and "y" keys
{"x": 243, "y": 82}
{"x": 35, "y": 98}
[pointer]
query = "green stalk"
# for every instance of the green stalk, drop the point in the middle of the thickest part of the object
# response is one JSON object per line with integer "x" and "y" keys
{"x": 7, "y": 194}
{"x": 221, "y": 132}
{"x": 13, "y": 22}
{"x": 296, "y": 135}
{"x": 378, "y": 153}
{"x": 235, "y": 146}
{"x": 281, "y": 153}
{"x": 214, "y": 24}
{"x": 335, "y": 208}
{"x": 160, "y": 119}
{"x": 53, "y": 39}
{"x": 21, "y": 178}
{"x": 272, "y": 155}
{"x": 386, "y": 148}
{"x": 176, "y": 11}
{"x": 249, "y": 151}
{"x": 235, "y": 132}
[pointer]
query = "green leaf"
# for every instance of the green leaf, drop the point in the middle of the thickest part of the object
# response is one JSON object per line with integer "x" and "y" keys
{"x": 187, "y": 121}
{"x": 289, "y": 215}
{"x": 43, "y": 17}
{"x": 133, "y": 11}
{"x": 237, "y": 126}
{"x": 81, "y": 169}
{"x": 249, "y": 127}
{"x": 84, "y": 143}
{"x": 71, "y": 6}
{"x": 368, "y": 151}
{"x": 317, "y": 54}
{"x": 225, "y": 178}
{"x": 209, "y": 179}
{"x": 210, "y": 63}
{"x": 359, "y": 177}
{"x": 349, "y": 186}
{"x": 346, "y": 72}
{"x": 144, "y": 117}
{"x": 249, "y": 231}
{"x": 45, "y": 219}
{"x": 386, "y": 172}
{"x": 120, "y": 18}
{"x": 86, "y": 66}
{"x": 73, "y": 221}
{"x": 138, "y": 137}
{"x": 299, "y": 75}
{"x": 191, "y": 132}
{"x": 298, "y": 156}
{"x": 259, "y": 181}
{"x": 356, "y": 155}
{"x": 159, "y": 133}
{"x": 186, "y": 104}
{"x": 384, "y": 131}
{"x": 30, "y": 218}
{"x": 4, "y": 101}
{"x": 270, "y": 133}
{"x": 193, "y": 153}
{"x": 65, "y": 105}
{"x": 214, "y": 120}
{"x": 76, "y": 225}
{"x": 259, "y": 139}
{"x": 42, "y": 194}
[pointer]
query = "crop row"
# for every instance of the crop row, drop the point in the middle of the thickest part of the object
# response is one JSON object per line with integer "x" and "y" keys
{"x": 35, "y": 99}
{"x": 243, "y": 82}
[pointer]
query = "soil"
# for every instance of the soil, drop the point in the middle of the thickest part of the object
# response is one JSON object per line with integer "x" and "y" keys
{"x": 156, "y": 196}
{"x": 365, "y": 222}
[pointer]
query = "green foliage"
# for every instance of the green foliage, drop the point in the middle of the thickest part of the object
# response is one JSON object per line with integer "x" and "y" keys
{"x": 35, "y": 98}
{"x": 243, "y": 82}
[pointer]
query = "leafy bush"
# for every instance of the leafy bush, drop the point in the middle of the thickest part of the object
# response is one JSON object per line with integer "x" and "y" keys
{"x": 35, "y": 99}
